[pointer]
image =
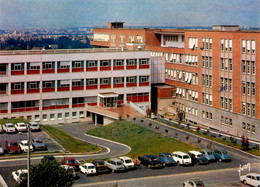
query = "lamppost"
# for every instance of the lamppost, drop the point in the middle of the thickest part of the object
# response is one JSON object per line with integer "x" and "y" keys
{"x": 28, "y": 154}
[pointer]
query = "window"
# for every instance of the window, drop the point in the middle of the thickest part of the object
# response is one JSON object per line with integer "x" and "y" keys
{"x": 130, "y": 79}
{"x": 119, "y": 62}
{"x": 48, "y": 65}
{"x": 17, "y": 86}
{"x": 105, "y": 63}
{"x": 118, "y": 80}
{"x": 92, "y": 81}
{"x": 36, "y": 118}
{"x": 230, "y": 122}
{"x": 243, "y": 88}
{"x": 253, "y": 110}
{"x": 248, "y": 109}
{"x": 230, "y": 104}
{"x": 210, "y": 62}
{"x": 243, "y": 46}
{"x": 244, "y": 126}
{"x": 131, "y": 38}
{"x": 59, "y": 116}
{"x": 67, "y": 115}
{"x": 222, "y": 120}
{"x": 52, "y": 116}
{"x": 222, "y": 44}
{"x": 226, "y": 121}
{"x": 144, "y": 78}
{"x": 222, "y": 102}
{"x": 253, "y": 47}
{"x": 131, "y": 62}
{"x": 253, "y": 89}
{"x": 253, "y": 128}
{"x": 74, "y": 114}
{"x": 144, "y": 61}
{"x": 81, "y": 114}
{"x": 17, "y": 66}
{"x": 29, "y": 118}
{"x": 243, "y": 66}
{"x": 248, "y": 127}
{"x": 105, "y": 81}
{"x": 92, "y": 63}
{"x": 230, "y": 65}
{"x": 243, "y": 108}
{"x": 248, "y": 67}
{"x": 253, "y": 67}
{"x": 44, "y": 117}
{"x": 222, "y": 63}
{"x": 139, "y": 38}
{"x": 193, "y": 43}
{"x": 77, "y": 64}
{"x": 122, "y": 39}
{"x": 171, "y": 38}
{"x": 76, "y": 82}
{"x": 48, "y": 84}
{"x": 113, "y": 38}
{"x": 230, "y": 85}
{"x": 33, "y": 85}
{"x": 248, "y": 88}
{"x": 64, "y": 65}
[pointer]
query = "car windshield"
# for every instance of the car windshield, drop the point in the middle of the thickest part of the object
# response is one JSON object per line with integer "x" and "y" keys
{"x": 91, "y": 167}
{"x": 34, "y": 125}
{"x": 12, "y": 144}
{"x": 209, "y": 153}
{"x": 118, "y": 163}
{"x": 38, "y": 141}
{"x": 128, "y": 161}
{"x": 22, "y": 125}
{"x": 71, "y": 161}
{"x": 100, "y": 164}
{"x": 257, "y": 178}
{"x": 199, "y": 183}
{"x": 224, "y": 152}
{"x": 185, "y": 157}
{"x": 9, "y": 125}
{"x": 168, "y": 156}
{"x": 200, "y": 155}
{"x": 25, "y": 144}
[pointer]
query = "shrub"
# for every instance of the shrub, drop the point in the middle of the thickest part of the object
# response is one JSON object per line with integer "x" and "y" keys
{"x": 199, "y": 140}
{"x": 245, "y": 143}
{"x": 150, "y": 124}
{"x": 176, "y": 134}
{"x": 187, "y": 137}
{"x": 166, "y": 130}
{"x": 141, "y": 121}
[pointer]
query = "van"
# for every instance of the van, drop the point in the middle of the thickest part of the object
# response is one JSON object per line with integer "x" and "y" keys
{"x": 181, "y": 158}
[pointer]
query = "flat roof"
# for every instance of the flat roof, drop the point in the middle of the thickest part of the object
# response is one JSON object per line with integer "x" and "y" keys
{"x": 65, "y": 51}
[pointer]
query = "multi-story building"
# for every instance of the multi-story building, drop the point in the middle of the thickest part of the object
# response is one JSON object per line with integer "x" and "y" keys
{"x": 214, "y": 74}
{"x": 59, "y": 86}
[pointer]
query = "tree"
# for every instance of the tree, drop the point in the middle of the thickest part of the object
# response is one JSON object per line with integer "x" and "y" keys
{"x": 49, "y": 173}
{"x": 148, "y": 112}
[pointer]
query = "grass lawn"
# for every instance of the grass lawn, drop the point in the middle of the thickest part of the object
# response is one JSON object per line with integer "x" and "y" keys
{"x": 70, "y": 143}
{"x": 14, "y": 120}
{"x": 141, "y": 140}
{"x": 225, "y": 142}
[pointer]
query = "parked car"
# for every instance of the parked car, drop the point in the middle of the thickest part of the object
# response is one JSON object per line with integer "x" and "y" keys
{"x": 208, "y": 155}
{"x": 48, "y": 158}
{"x": 70, "y": 161}
{"x": 88, "y": 169}
{"x": 252, "y": 179}
{"x": 221, "y": 155}
{"x": 128, "y": 162}
{"x": 182, "y": 158}
{"x": 166, "y": 158}
{"x": 24, "y": 146}
{"x": 193, "y": 183}
{"x": 38, "y": 144}
{"x": 115, "y": 164}
{"x": 20, "y": 127}
{"x": 19, "y": 175}
{"x": 8, "y": 128}
{"x": 34, "y": 126}
{"x": 151, "y": 161}
{"x": 11, "y": 146}
{"x": 1, "y": 150}
{"x": 197, "y": 157}
{"x": 100, "y": 166}
{"x": 71, "y": 169}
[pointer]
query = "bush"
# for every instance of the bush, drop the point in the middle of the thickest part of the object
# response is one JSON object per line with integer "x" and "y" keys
{"x": 150, "y": 124}
{"x": 245, "y": 143}
{"x": 141, "y": 121}
{"x": 187, "y": 137}
{"x": 176, "y": 134}
{"x": 199, "y": 140}
{"x": 166, "y": 130}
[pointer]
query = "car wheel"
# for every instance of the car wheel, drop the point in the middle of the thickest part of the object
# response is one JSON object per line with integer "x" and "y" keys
{"x": 149, "y": 166}
{"x": 178, "y": 163}
{"x": 220, "y": 160}
{"x": 163, "y": 165}
{"x": 113, "y": 171}
{"x": 244, "y": 181}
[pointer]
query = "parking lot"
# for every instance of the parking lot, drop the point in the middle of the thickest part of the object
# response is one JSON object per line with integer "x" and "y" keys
{"x": 49, "y": 142}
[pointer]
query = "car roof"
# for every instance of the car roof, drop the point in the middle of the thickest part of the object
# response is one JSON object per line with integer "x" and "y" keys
{"x": 115, "y": 159}
{"x": 69, "y": 158}
{"x": 20, "y": 123}
{"x": 219, "y": 150}
{"x": 11, "y": 141}
{"x": 9, "y": 124}
{"x": 125, "y": 157}
{"x": 179, "y": 153}
{"x": 207, "y": 150}
{"x": 49, "y": 157}
{"x": 166, "y": 153}
{"x": 37, "y": 139}
{"x": 149, "y": 156}
{"x": 88, "y": 164}
{"x": 253, "y": 174}
{"x": 195, "y": 152}
{"x": 24, "y": 141}
{"x": 97, "y": 161}
{"x": 22, "y": 170}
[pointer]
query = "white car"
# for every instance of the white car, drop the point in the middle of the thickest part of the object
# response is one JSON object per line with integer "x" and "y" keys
{"x": 19, "y": 174}
{"x": 252, "y": 179}
{"x": 181, "y": 158}
{"x": 8, "y": 128}
{"x": 24, "y": 146}
{"x": 128, "y": 162}
{"x": 34, "y": 126}
{"x": 193, "y": 183}
{"x": 20, "y": 127}
{"x": 88, "y": 168}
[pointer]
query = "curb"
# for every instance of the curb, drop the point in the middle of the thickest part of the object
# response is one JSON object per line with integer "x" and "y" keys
{"x": 2, "y": 181}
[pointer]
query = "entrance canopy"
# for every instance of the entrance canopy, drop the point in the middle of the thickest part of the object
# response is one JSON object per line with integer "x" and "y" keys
{"x": 108, "y": 100}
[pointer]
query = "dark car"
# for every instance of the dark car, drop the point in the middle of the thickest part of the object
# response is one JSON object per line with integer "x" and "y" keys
{"x": 70, "y": 161}
{"x": 11, "y": 146}
{"x": 166, "y": 158}
{"x": 48, "y": 158}
{"x": 198, "y": 158}
{"x": 151, "y": 161}
{"x": 100, "y": 166}
{"x": 38, "y": 144}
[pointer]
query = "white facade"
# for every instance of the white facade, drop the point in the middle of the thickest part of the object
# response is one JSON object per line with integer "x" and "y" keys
{"x": 62, "y": 103}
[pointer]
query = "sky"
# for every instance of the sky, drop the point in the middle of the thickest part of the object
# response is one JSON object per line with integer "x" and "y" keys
{"x": 81, "y": 13}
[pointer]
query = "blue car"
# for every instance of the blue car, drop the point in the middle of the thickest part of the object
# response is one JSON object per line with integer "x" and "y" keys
{"x": 221, "y": 155}
{"x": 208, "y": 155}
{"x": 166, "y": 158}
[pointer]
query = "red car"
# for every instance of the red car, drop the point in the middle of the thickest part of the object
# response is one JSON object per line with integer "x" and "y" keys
{"x": 12, "y": 146}
{"x": 70, "y": 161}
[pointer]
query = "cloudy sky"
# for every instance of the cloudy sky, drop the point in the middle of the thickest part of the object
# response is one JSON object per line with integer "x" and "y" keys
{"x": 74, "y": 13}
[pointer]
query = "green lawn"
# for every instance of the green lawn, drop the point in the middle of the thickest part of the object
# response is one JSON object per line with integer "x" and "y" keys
{"x": 14, "y": 120}
{"x": 70, "y": 143}
{"x": 141, "y": 140}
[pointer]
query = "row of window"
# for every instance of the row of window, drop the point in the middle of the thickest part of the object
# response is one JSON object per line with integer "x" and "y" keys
{"x": 182, "y": 76}
{"x": 248, "y": 127}
{"x": 248, "y": 109}
{"x": 248, "y": 46}
{"x": 206, "y": 44}
{"x": 187, "y": 94}
{"x": 226, "y": 121}
{"x": 172, "y": 38}
{"x": 226, "y": 104}
{"x": 207, "y": 99}
{"x": 207, "y": 80}
{"x": 248, "y": 67}
{"x": 206, "y": 62}
{"x": 226, "y": 64}
{"x": 187, "y": 109}
{"x": 206, "y": 115}
{"x": 131, "y": 38}
{"x": 226, "y": 84}
{"x": 226, "y": 45}
{"x": 248, "y": 88}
